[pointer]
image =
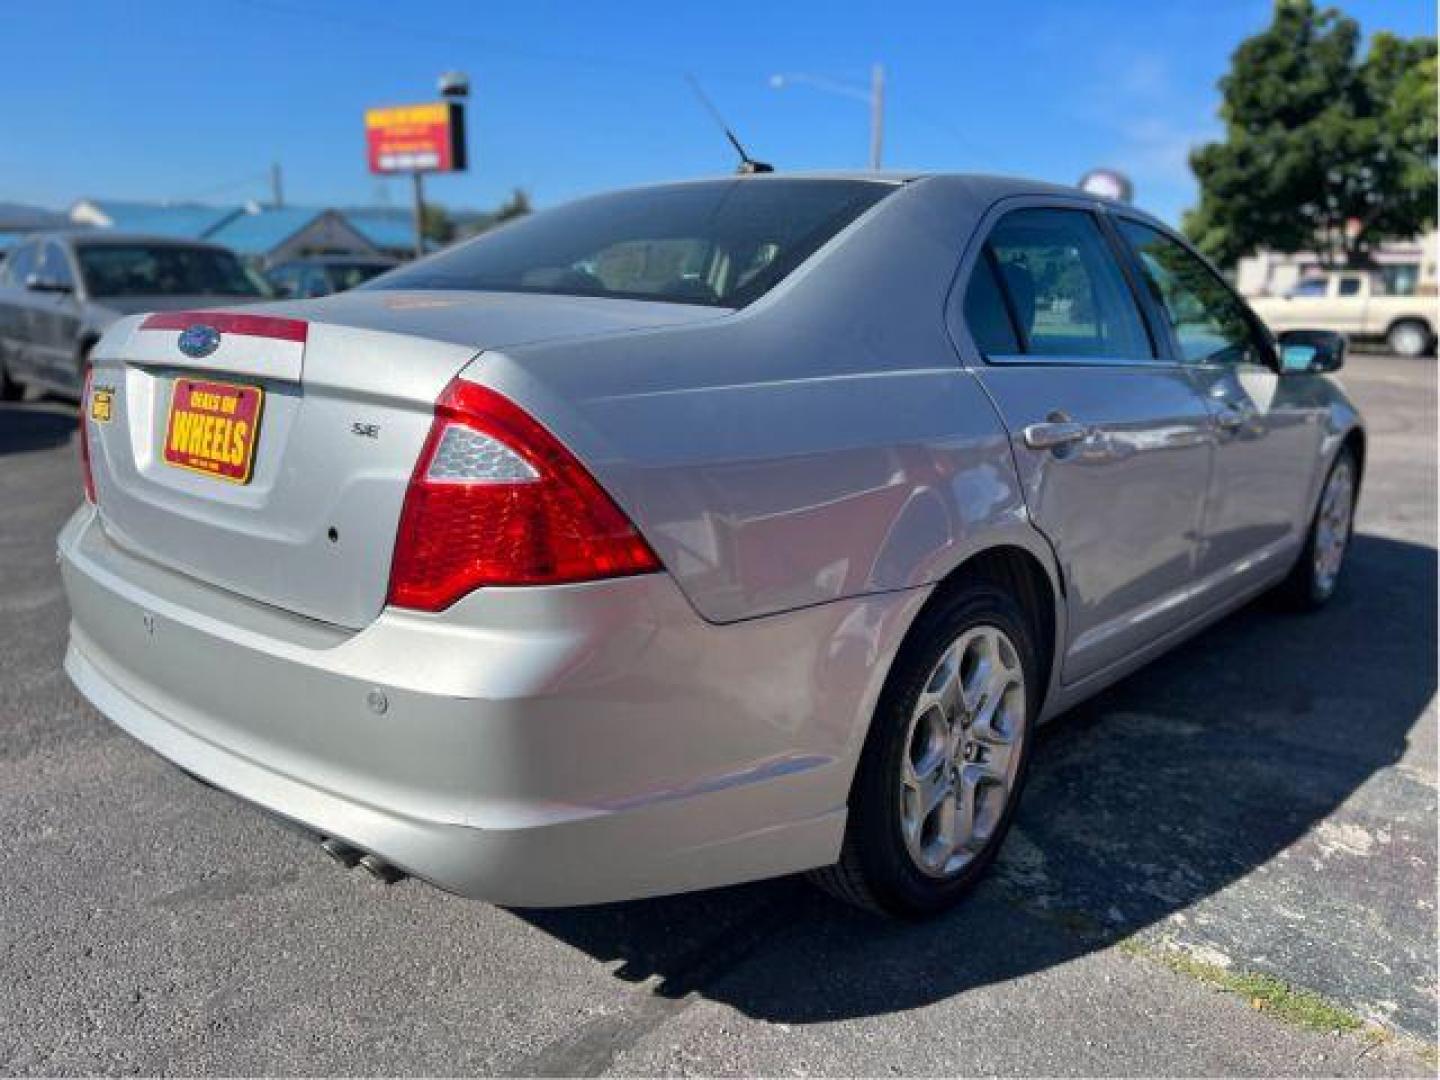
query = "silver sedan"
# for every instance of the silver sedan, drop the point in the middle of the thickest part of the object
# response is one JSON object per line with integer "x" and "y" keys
{"x": 693, "y": 534}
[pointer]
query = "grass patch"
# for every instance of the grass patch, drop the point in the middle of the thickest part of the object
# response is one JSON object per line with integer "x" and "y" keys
{"x": 1264, "y": 992}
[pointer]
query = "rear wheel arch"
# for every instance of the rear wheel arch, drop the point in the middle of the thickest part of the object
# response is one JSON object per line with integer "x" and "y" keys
{"x": 1354, "y": 441}
{"x": 83, "y": 349}
{"x": 1418, "y": 320}
{"x": 1021, "y": 574}
{"x": 1014, "y": 585}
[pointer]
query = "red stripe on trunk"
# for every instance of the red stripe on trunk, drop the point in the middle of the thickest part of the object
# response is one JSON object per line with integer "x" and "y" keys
{"x": 230, "y": 322}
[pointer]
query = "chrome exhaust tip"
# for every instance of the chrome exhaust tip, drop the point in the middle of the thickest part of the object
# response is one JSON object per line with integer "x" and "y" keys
{"x": 380, "y": 870}
{"x": 340, "y": 851}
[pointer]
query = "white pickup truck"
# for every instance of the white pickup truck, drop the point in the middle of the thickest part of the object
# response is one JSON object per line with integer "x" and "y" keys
{"x": 1356, "y": 305}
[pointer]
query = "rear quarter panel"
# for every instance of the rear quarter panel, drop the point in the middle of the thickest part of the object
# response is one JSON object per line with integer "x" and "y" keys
{"x": 823, "y": 443}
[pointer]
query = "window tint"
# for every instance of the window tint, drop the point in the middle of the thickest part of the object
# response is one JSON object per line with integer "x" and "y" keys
{"x": 1350, "y": 286}
{"x": 1309, "y": 287}
{"x": 313, "y": 282}
{"x": 285, "y": 279}
{"x": 1065, "y": 287}
{"x": 985, "y": 312}
{"x": 723, "y": 242}
{"x": 21, "y": 263}
{"x": 124, "y": 269}
{"x": 1209, "y": 320}
{"x": 55, "y": 267}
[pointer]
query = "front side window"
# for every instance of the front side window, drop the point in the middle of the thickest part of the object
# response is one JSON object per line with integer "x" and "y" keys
{"x": 723, "y": 243}
{"x": 163, "y": 270}
{"x": 1208, "y": 320}
{"x": 1308, "y": 287}
{"x": 1066, "y": 293}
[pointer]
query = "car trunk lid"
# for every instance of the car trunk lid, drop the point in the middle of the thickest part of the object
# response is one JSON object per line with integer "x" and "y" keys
{"x": 309, "y": 523}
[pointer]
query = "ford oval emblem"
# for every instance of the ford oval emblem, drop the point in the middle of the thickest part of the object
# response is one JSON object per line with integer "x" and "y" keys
{"x": 199, "y": 340}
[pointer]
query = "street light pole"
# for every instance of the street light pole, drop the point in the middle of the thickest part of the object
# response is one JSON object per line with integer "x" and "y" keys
{"x": 418, "y": 177}
{"x": 877, "y": 114}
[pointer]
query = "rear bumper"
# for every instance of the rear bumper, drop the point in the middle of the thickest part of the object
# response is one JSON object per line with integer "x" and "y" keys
{"x": 534, "y": 747}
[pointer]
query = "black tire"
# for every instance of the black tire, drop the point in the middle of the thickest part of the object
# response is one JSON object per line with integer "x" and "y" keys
{"x": 1410, "y": 338}
{"x": 10, "y": 389}
{"x": 876, "y": 871}
{"x": 1303, "y": 589}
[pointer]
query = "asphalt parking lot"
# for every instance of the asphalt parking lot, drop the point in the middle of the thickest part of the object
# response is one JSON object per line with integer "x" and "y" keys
{"x": 1225, "y": 864}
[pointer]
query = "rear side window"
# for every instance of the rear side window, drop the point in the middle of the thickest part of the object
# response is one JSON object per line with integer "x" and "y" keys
{"x": 985, "y": 311}
{"x": 1067, "y": 293}
{"x": 1208, "y": 320}
{"x": 723, "y": 242}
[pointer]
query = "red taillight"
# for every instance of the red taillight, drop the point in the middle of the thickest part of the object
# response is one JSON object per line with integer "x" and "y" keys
{"x": 497, "y": 500}
{"x": 85, "y": 472}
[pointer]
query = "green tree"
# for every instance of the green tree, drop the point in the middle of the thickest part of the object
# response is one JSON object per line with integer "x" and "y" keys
{"x": 1324, "y": 150}
{"x": 435, "y": 223}
{"x": 518, "y": 205}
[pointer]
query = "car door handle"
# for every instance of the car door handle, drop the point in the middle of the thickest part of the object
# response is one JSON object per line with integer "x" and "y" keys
{"x": 1053, "y": 433}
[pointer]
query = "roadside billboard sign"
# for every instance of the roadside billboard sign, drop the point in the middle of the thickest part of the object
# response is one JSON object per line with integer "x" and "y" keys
{"x": 416, "y": 138}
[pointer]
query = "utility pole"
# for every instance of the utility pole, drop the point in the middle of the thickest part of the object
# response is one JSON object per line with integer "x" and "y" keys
{"x": 277, "y": 191}
{"x": 418, "y": 177}
{"x": 877, "y": 114}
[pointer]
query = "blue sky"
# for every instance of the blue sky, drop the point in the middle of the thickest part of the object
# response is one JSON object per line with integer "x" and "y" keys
{"x": 168, "y": 100}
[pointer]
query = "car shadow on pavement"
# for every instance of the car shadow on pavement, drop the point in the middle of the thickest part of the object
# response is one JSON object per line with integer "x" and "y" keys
{"x": 1173, "y": 784}
{"x": 36, "y": 425}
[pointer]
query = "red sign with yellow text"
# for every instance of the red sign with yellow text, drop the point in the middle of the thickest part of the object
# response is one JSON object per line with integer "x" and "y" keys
{"x": 416, "y": 138}
{"x": 213, "y": 427}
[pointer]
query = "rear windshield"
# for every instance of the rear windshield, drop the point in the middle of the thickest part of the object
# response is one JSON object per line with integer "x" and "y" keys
{"x": 163, "y": 270}
{"x": 723, "y": 243}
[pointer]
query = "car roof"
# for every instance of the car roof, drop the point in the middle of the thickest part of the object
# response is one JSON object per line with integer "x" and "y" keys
{"x": 983, "y": 187}
{"x": 98, "y": 237}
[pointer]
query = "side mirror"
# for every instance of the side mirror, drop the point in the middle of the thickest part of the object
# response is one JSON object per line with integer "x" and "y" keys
{"x": 1310, "y": 352}
{"x": 38, "y": 283}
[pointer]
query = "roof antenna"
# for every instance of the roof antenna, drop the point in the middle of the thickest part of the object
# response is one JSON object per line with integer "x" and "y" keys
{"x": 747, "y": 163}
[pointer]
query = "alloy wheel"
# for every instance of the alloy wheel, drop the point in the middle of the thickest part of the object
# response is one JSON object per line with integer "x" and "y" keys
{"x": 962, "y": 751}
{"x": 1332, "y": 526}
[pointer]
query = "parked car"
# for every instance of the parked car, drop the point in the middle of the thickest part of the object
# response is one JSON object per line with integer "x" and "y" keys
{"x": 321, "y": 275}
{"x": 59, "y": 291}
{"x": 1357, "y": 305}
{"x": 696, "y": 533}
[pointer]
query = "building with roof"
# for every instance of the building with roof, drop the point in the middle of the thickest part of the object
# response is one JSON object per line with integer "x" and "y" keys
{"x": 189, "y": 221}
{"x": 267, "y": 235}
{"x": 273, "y": 234}
{"x": 263, "y": 234}
{"x": 390, "y": 229}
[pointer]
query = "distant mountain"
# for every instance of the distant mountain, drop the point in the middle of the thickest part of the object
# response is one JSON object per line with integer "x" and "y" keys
{"x": 18, "y": 216}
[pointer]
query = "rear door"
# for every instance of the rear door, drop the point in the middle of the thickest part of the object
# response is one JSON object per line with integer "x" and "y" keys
{"x": 15, "y": 301}
{"x": 55, "y": 319}
{"x": 1111, "y": 439}
{"x": 1268, "y": 428}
